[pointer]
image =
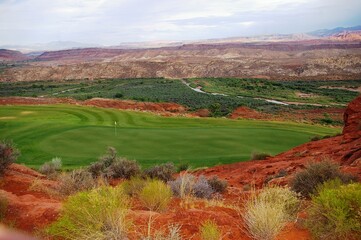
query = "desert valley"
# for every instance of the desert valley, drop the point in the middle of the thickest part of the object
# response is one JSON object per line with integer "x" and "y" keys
{"x": 252, "y": 137}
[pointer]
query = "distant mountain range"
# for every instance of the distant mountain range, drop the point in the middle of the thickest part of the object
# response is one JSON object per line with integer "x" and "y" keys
{"x": 339, "y": 33}
{"x": 330, "y": 32}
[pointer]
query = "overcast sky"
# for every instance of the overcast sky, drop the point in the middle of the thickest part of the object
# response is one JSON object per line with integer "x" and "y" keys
{"x": 110, "y": 22}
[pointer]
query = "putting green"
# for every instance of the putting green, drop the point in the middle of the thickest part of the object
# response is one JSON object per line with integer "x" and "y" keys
{"x": 79, "y": 135}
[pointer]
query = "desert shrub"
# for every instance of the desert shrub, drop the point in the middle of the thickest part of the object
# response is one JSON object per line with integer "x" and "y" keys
{"x": 123, "y": 168}
{"x": 162, "y": 172}
{"x": 111, "y": 166}
{"x": 260, "y": 156}
{"x": 316, "y": 138}
{"x": 51, "y": 168}
{"x": 99, "y": 167}
{"x": 183, "y": 186}
{"x": 156, "y": 195}
{"x": 267, "y": 213}
{"x": 183, "y": 167}
{"x": 306, "y": 181}
{"x": 94, "y": 214}
{"x": 187, "y": 185}
{"x": 209, "y": 231}
{"x": 3, "y": 206}
{"x": 217, "y": 184}
{"x": 335, "y": 212}
{"x": 134, "y": 186}
{"x": 8, "y": 155}
{"x": 201, "y": 188}
{"x": 76, "y": 181}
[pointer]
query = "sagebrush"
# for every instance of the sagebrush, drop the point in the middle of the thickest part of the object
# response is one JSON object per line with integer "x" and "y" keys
{"x": 306, "y": 181}
{"x": 162, "y": 172}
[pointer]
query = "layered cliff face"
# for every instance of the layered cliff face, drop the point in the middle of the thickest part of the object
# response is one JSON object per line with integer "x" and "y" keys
{"x": 288, "y": 60}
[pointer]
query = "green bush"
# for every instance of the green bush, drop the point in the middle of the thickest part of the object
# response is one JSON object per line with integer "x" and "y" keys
{"x": 306, "y": 181}
{"x": 268, "y": 212}
{"x": 162, "y": 172}
{"x": 210, "y": 231}
{"x": 95, "y": 214}
{"x": 134, "y": 186}
{"x": 8, "y": 155}
{"x": 156, "y": 195}
{"x": 335, "y": 212}
{"x": 260, "y": 156}
{"x": 76, "y": 181}
{"x": 217, "y": 184}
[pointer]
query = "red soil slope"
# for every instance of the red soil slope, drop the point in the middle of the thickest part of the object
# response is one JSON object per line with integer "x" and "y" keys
{"x": 28, "y": 209}
{"x": 100, "y": 102}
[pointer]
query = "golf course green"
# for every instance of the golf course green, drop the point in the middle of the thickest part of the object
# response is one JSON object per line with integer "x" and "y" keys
{"x": 79, "y": 135}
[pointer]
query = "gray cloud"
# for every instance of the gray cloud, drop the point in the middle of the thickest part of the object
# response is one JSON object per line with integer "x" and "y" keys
{"x": 110, "y": 22}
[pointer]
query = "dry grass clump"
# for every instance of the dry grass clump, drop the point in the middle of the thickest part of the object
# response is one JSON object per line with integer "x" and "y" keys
{"x": 209, "y": 230}
{"x": 173, "y": 233}
{"x": 95, "y": 214}
{"x": 306, "y": 181}
{"x": 267, "y": 213}
{"x": 156, "y": 195}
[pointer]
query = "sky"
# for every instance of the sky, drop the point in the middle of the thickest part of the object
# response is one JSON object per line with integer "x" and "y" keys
{"x": 111, "y": 22}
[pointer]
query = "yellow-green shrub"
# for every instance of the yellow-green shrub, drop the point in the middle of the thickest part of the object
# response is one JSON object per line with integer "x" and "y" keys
{"x": 209, "y": 231}
{"x": 336, "y": 211}
{"x": 95, "y": 214}
{"x": 156, "y": 195}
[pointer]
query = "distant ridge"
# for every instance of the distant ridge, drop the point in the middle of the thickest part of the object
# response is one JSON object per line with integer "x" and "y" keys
{"x": 330, "y": 32}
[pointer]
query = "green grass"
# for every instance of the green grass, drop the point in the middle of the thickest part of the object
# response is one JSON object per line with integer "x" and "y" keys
{"x": 78, "y": 135}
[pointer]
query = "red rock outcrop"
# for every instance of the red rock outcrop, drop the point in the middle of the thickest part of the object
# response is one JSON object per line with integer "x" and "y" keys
{"x": 344, "y": 149}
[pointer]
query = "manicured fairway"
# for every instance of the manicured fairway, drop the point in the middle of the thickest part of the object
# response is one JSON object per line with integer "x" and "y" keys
{"x": 79, "y": 135}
